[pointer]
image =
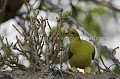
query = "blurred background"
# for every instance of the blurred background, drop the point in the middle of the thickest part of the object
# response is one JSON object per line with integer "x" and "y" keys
{"x": 101, "y": 18}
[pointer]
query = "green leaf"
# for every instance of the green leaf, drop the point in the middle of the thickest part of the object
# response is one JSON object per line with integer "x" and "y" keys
{"x": 117, "y": 70}
{"x": 7, "y": 50}
{"x": 98, "y": 10}
{"x": 55, "y": 29}
{"x": 67, "y": 13}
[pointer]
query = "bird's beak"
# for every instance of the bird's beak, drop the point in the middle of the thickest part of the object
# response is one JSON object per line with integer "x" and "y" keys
{"x": 68, "y": 31}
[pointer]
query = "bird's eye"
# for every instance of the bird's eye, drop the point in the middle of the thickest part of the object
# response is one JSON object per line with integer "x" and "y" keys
{"x": 73, "y": 32}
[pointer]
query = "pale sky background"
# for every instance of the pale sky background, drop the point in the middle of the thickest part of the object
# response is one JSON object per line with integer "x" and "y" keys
{"x": 111, "y": 31}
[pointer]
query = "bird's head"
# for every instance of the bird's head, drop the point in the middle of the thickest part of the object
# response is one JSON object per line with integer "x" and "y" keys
{"x": 73, "y": 34}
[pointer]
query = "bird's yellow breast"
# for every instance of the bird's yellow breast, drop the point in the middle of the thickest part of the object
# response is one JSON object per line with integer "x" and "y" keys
{"x": 82, "y": 54}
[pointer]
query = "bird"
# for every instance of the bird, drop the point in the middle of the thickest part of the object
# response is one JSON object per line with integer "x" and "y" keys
{"x": 80, "y": 52}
